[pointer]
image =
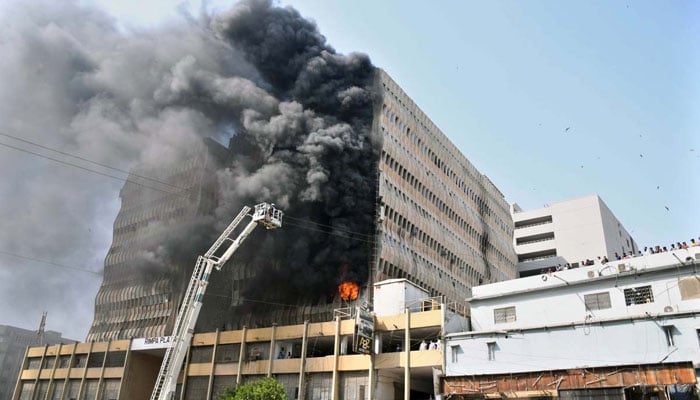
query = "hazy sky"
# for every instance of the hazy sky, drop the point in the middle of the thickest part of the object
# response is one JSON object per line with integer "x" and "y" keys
{"x": 504, "y": 81}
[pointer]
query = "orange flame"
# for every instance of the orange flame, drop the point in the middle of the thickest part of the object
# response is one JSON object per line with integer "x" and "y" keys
{"x": 349, "y": 290}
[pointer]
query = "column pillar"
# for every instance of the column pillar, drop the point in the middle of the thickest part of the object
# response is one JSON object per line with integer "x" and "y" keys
{"x": 301, "y": 395}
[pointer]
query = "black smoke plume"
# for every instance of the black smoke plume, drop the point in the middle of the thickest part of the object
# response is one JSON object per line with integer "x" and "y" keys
{"x": 295, "y": 114}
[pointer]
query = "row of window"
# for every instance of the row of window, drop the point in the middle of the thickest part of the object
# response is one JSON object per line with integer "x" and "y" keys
{"x": 482, "y": 206}
{"x": 424, "y": 187}
{"x": 54, "y": 390}
{"x": 592, "y": 301}
{"x": 403, "y": 222}
{"x": 144, "y": 327}
{"x": 469, "y": 170}
{"x": 450, "y": 258}
{"x": 533, "y": 222}
{"x": 479, "y": 237}
{"x": 93, "y": 360}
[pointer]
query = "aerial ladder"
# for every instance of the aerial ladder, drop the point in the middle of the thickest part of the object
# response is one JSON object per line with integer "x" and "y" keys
{"x": 264, "y": 214}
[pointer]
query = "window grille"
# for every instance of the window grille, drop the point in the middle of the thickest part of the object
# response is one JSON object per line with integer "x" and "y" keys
{"x": 639, "y": 295}
{"x": 503, "y": 315}
{"x": 597, "y": 301}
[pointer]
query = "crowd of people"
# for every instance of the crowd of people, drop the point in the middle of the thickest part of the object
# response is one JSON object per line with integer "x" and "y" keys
{"x": 673, "y": 246}
{"x": 604, "y": 259}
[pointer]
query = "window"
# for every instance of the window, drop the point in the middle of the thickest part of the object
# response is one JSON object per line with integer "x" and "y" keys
{"x": 34, "y": 363}
{"x": 491, "y": 347}
{"x": 597, "y": 301}
{"x": 95, "y": 360}
{"x": 115, "y": 359}
{"x": 668, "y": 330}
{"x": 26, "y": 391}
{"x": 503, "y": 315}
{"x": 455, "y": 353}
{"x": 639, "y": 295}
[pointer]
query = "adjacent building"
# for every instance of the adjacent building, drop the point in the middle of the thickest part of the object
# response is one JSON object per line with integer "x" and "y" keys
{"x": 625, "y": 329}
{"x": 13, "y": 345}
{"x": 438, "y": 222}
{"x": 568, "y": 232}
{"x": 314, "y": 360}
{"x": 136, "y": 297}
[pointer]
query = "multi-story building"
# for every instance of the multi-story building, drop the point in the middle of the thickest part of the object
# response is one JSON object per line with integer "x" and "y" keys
{"x": 139, "y": 296}
{"x": 568, "y": 232}
{"x": 13, "y": 345}
{"x": 624, "y": 330}
{"x": 314, "y": 360}
{"x": 443, "y": 224}
{"x": 437, "y": 222}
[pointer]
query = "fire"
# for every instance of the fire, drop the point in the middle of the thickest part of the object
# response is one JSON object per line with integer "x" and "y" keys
{"x": 349, "y": 290}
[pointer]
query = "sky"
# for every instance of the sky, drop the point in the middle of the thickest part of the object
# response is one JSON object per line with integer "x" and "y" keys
{"x": 550, "y": 100}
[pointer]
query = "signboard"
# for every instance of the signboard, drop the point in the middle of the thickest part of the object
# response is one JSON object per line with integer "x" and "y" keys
{"x": 158, "y": 342}
{"x": 364, "y": 330}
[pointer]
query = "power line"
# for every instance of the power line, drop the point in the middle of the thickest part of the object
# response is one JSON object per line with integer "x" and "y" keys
{"x": 49, "y": 262}
{"x": 88, "y": 169}
{"x": 90, "y": 161}
{"x": 370, "y": 236}
{"x": 330, "y": 233}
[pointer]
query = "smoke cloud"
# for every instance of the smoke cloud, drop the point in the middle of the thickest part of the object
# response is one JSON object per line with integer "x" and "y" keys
{"x": 260, "y": 79}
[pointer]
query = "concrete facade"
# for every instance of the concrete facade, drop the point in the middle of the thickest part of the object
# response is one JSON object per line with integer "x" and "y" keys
{"x": 442, "y": 224}
{"x": 634, "y": 313}
{"x": 135, "y": 299}
{"x": 568, "y": 232}
{"x": 312, "y": 360}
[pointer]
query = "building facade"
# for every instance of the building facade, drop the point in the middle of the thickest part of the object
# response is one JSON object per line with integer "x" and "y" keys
{"x": 312, "y": 360}
{"x": 625, "y": 330}
{"x": 568, "y": 232}
{"x": 439, "y": 223}
{"x": 137, "y": 297}
{"x": 13, "y": 345}
{"x": 442, "y": 223}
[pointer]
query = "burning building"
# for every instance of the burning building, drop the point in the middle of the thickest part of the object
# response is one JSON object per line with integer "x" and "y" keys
{"x": 371, "y": 188}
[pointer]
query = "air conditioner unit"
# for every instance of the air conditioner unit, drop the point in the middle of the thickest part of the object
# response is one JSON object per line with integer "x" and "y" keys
{"x": 591, "y": 274}
{"x": 668, "y": 309}
{"x": 622, "y": 267}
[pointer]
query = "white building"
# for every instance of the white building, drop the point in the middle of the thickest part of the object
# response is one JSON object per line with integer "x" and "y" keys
{"x": 569, "y": 231}
{"x": 616, "y": 328}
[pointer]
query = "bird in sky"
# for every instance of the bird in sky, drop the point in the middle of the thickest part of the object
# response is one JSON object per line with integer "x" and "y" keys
{"x": 567, "y": 129}
{"x": 667, "y": 209}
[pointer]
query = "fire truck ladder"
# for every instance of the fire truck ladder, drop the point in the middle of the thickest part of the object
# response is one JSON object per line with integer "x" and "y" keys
{"x": 265, "y": 214}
